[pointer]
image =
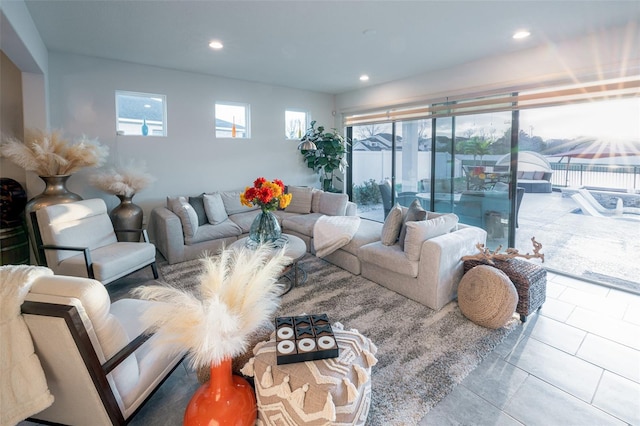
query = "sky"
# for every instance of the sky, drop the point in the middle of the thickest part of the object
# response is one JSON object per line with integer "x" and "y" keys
{"x": 614, "y": 121}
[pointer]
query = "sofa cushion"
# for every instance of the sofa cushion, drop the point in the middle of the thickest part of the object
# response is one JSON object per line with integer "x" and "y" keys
{"x": 392, "y": 226}
{"x": 232, "y": 204}
{"x": 214, "y": 207}
{"x": 538, "y": 175}
{"x": 208, "y": 232}
{"x": 333, "y": 204}
{"x": 414, "y": 213}
{"x": 302, "y": 224}
{"x": 186, "y": 213}
{"x": 390, "y": 257}
{"x": 419, "y": 232}
{"x": 244, "y": 220}
{"x": 198, "y": 205}
{"x": 368, "y": 232}
{"x": 300, "y": 199}
{"x": 528, "y": 175}
{"x": 315, "y": 200}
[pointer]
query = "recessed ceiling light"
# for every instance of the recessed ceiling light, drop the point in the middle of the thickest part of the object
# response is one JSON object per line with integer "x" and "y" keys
{"x": 147, "y": 106}
{"x": 364, "y": 77}
{"x": 521, "y": 34}
{"x": 216, "y": 44}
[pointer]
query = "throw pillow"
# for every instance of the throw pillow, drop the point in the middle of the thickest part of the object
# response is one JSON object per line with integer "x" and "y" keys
{"x": 187, "y": 215}
{"x": 333, "y": 204}
{"x": 315, "y": 200}
{"x": 198, "y": 205}
{"x": 214, "y": 207}
{"x": 414, "y": 213}
{"x": 232, "y": 204}
{"x": 392, "y": 226}
{"x": 528, "y": 175}
{"x": 300, "y": 200}
{"x": 419, "y": 232}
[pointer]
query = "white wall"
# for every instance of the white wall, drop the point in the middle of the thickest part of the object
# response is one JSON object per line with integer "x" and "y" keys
{"x": 606, "y": 54}
{"x": 190, "y": 160}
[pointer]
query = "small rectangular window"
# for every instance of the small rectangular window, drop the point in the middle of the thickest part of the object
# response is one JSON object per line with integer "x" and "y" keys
{"x": 141, "y": 114}
{"x": 232, "y": 120}
{"x": 295, "y": 124}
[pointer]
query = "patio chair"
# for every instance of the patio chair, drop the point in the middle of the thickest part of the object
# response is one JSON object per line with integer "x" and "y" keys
{"x": 79, "y": 240}
{"x": 385, "y": 192}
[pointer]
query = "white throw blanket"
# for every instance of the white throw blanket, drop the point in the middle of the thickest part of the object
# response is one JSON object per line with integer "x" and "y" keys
{"x": 332, "y": 232}
{"x": 23, "y": 389}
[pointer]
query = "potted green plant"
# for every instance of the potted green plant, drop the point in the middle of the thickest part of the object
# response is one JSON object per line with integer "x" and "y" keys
{"x": 329, "y": 155}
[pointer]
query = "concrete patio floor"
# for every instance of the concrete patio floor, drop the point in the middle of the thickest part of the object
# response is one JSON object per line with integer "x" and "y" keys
{"x": 602, "y": 249}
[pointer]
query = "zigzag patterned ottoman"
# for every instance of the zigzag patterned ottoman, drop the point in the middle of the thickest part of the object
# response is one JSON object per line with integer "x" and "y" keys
{"x": 333, "y": 391}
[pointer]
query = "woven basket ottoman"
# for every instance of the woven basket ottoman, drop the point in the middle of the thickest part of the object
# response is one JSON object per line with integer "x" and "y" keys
{"x": 529, "y": 279}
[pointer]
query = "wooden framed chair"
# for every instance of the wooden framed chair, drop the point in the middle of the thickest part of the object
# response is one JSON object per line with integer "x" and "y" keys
{"x": 79, "y": 239}
{"x": 99, "y": 363}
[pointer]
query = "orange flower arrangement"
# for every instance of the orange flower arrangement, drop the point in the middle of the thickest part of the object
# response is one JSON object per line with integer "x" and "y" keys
{"x": 269, "y": 195}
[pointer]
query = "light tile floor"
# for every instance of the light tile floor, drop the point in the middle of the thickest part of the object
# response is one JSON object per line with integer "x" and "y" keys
{"x": 575, "y": 362}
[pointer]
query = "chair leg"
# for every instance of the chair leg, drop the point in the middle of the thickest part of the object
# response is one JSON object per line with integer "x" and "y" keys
{"x": 154, "y": 268}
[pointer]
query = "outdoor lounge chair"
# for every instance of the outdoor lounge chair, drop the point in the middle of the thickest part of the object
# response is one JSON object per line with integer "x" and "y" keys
{"x": 588, "y": 209}
{"x": 620, "y": 209}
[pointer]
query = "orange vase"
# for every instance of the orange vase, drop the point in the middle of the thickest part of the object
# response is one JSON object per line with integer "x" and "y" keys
{"x": 226, "y": 399}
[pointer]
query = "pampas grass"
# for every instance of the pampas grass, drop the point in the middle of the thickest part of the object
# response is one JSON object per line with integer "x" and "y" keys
{"x": 48, "y": 154}
{"x": 238, "y": 293}
{"x": 125, "y": 180}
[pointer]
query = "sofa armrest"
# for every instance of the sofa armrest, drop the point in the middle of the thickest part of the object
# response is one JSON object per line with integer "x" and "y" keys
{"x": 352, "y": 209}
{"x": 440, "y": 259}
{"x": 166, "y": 229}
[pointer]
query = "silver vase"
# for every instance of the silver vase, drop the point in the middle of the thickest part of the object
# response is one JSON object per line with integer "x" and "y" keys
{"x": 55, "y": 192}
{"x": 127, "y": 215}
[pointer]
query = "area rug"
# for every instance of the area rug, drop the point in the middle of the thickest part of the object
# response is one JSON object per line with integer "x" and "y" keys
{"x": 422, "y": 354}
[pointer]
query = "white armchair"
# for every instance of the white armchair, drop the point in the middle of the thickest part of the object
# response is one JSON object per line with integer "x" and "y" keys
{"x": 99, "y": 364}
{"x": 79, "y": 240}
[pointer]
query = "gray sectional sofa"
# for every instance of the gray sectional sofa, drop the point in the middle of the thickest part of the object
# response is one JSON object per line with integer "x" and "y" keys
{"x": 187, "y": 226}
{"x": 416, "y": 256}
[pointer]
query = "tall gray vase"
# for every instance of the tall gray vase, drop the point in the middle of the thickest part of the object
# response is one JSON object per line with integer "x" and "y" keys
{"x": 55, "y": 192}
{"x": 127, "y": 215}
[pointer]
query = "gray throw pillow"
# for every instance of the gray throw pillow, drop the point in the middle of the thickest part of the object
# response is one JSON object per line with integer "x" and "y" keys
{"x": 187, "y": 215}
{"x": 300, "y": 200}
{"x": 232, "y": 204}
{"x": 333, "y": 204}
{"x": 214, "y": 207}
{"x": 414, "y": 213}
{"x": 419, "y": 232}
{"x": 198, "y": 205}
{"x": 392, "y": 225}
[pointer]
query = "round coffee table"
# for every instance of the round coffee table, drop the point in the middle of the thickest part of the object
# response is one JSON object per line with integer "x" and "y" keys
{"x": 294, "y": 247}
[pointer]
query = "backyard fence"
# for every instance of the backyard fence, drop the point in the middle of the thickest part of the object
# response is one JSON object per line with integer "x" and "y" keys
{"x": 624, "y": 177}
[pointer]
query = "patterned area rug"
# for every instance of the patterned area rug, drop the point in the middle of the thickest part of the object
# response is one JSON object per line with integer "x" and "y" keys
{"x": 422, "y": 354}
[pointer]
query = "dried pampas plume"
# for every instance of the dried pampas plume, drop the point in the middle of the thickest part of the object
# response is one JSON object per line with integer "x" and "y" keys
{"x": 48, "y": 154}
{"x": 238, "y": 293}
{"x": 127, "y": 180}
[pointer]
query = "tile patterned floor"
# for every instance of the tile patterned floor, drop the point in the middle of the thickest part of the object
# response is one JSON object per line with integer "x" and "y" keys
{"x": 575, "y": 362}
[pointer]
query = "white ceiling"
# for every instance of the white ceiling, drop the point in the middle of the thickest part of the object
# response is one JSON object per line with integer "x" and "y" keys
{"x": 315, "y": 45}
